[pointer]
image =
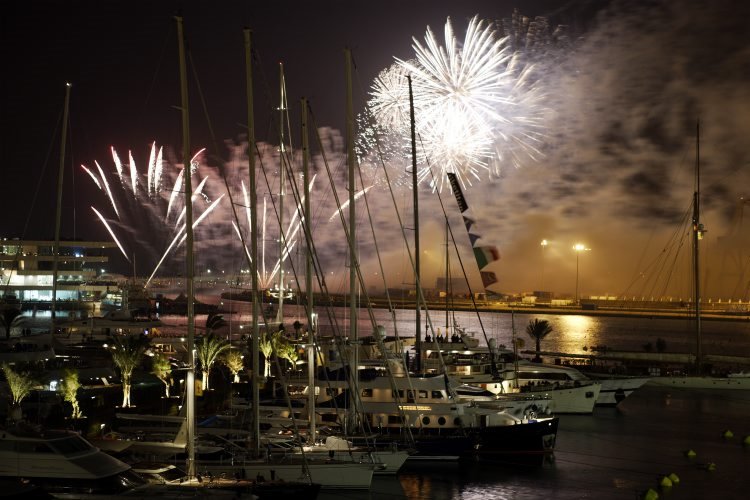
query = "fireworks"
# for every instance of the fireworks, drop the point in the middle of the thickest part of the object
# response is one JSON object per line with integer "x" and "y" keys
{"x": 476, "y": 107}
{"x": 147, "y": 203}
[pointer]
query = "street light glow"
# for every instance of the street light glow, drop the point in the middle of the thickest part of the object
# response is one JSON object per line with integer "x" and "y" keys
{"x": 578, "y": 247}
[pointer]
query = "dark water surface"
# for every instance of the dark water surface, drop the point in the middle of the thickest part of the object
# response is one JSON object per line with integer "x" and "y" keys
{"x": 574, "y": 334}
{"x": 615, "y": 453}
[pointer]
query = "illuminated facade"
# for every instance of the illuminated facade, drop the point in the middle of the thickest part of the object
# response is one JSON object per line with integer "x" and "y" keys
{"x": 27, "y": 268}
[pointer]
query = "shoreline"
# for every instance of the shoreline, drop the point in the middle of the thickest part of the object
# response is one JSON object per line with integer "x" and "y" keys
{"x": 509, "y": 308}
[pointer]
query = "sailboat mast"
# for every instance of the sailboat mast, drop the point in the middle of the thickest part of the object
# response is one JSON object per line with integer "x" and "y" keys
{"x": 308, "y": 276}
{"x": 415, "y": 194}
{"x": 189, "y": 266}
{"x": 447, "y": 278}
{"x": 352, "y": 214}
{"x": 255, "y": 341}
{"x": 282, "y": 181}
{"x": 58, "y": 212}
{"x": 697, "y": 234}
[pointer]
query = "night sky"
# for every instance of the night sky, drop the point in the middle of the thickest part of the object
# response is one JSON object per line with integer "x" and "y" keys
{"x": 623, "y": 95}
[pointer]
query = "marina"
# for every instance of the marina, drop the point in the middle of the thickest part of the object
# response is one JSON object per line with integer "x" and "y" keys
{"x": 474, "y": 264}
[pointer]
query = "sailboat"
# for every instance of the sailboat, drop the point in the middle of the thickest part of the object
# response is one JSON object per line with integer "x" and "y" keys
{"x": 328, "y": 474}
{"x": 700, "y": 380}
{"x": 394, "y": 403}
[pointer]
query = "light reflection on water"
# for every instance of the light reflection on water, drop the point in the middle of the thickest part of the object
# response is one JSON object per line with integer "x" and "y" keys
{"x": 571, "y": 334}
{"x": 617, "y": 453}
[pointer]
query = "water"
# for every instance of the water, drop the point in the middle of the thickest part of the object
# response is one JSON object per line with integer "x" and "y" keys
{"x": 573, "y": 334}
{"x": 615, "y": 453}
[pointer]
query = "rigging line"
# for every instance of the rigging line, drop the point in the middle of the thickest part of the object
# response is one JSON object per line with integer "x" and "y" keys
{"x": 168, "y": 36}
{"x": 384, "y": 360}
{"x": 320, "y": 276}
{"x": 379, "y": 258}
{"x": 286, "y": 251}
{"x": 40, "y": 179}
{"x": 405, "y": 238}
{"x": 340, "y": 211}
{"x": 458, "y": 254}
{"x": 684, "y": 235}
{"x": 355, "y": 262}
{"x": 420, "y": 295}
{"x": 218, "y": 157}
{"x": 271, "y": 119}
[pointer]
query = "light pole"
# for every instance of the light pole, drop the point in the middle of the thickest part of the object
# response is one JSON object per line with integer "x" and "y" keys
{"x": 578, "y": 247}
{"x": 544, "y": 247}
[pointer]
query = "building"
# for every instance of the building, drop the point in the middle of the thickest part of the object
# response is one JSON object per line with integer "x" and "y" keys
{"x": 27, "y": 267}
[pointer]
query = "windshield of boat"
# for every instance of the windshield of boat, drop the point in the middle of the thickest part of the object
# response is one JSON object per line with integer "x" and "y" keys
{"x": 70, "y": 445}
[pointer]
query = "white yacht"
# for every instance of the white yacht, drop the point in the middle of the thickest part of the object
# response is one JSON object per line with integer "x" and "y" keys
{"x": 63, "y": 463}
{"x": 467, "y": 363}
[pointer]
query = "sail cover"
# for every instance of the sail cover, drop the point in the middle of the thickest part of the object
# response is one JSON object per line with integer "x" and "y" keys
{"x": 484, "y": 254}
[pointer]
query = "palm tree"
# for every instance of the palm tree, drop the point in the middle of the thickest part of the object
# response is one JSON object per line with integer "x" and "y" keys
{"x": 69, "y": 389}
{"x": 10, "y": 318}
{"x": 214, "y": 322}
{"x": 289, "y": 352}
{"x": 162, "y": 369}
{"x": 538, "y": 329}
{"x": 234, "y": 362}
{"x": 267, "y": 345}
{"x": 21, "y": 384}
{"x": 126, "y": 354}
{"x": 208, "y": 349}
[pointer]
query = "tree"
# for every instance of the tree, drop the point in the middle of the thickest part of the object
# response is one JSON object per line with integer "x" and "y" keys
{"x": 267, "y": 345}
{"x": 208, "y": 349}
{"x": 126, "y": 354}
{"x": 538, "y": 329}
{"x": 69, "y": 389}
{"x": 235, "y": 363}
{"x": 161, "y": 367}
{"x": 10, "y": 318}
{"x": 21, "y": 384}
{"x": 288, "y": 351}
{"x": 214, "y": 322}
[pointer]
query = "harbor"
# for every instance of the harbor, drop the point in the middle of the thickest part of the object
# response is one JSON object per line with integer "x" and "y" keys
{"x": 443, "y": 250}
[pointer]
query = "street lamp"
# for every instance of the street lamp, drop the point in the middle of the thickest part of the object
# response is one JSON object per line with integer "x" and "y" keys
{"x": 578, "y": 247}
{"x": 544, "y": 247}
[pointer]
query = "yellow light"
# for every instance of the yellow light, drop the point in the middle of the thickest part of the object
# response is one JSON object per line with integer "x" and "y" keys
{"x": 579, "y": 247}
{"x": 415, "y": 407}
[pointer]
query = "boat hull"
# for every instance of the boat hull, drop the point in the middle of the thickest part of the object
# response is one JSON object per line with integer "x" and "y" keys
{"x": 615, "y": 390}
{"x": 329, "y": 474}
{"x": 578, "y": 400}
{"x": 524, "y": 444}
{"x": 690, "y": 382}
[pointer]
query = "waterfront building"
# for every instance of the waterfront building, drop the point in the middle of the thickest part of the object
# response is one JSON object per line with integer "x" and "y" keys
{"x": 27, "y": 267}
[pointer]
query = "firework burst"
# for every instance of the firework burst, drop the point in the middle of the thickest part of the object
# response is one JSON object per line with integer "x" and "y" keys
{"x": 141, "y": 209}
{"x": 476, "y": 106}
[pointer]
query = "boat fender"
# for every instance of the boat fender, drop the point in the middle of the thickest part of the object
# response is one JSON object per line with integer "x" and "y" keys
{"x": 651, "y": 494}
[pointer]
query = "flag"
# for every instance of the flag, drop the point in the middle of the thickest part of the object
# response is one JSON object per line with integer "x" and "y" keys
{"x": 484, "y": 254}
